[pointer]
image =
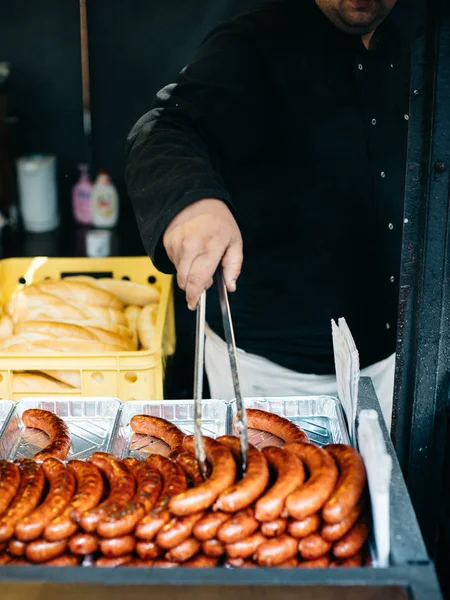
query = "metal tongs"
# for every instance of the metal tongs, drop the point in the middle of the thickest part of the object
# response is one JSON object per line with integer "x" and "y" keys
{"x": 241, "y": 417}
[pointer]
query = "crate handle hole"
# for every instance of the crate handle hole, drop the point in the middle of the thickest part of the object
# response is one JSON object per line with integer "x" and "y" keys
{"x": 131, "y": 377}
{"x": 97, "y": 377}
{"x": 22, "y": 280}
{"x": 125, "y": 278}
{"x": 151, "y": 279}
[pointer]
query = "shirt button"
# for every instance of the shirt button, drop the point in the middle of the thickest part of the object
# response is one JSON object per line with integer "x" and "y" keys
{"x": 391, "y": 226}
{"x": 388, "y": 325}
{"x": 392, "y": 279}
{"x": 406, "y": 117}
{"x": 392, "y": 66}
{"x": 383, "y": 174}
{"x": 360, "y": 67}
{"x": 374, "y": 121}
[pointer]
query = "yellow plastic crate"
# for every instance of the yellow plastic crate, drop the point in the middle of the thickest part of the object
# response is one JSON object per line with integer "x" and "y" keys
{"x": 127, "y": 375}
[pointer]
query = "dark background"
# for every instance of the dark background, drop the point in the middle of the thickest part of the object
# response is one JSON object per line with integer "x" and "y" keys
{"x": 135, "y": 48}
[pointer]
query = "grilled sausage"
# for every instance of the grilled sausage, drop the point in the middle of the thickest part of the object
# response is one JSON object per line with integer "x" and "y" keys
{"x": 201, "y": 562}
{"x": 148, "y": 550}
{"x": 276, "y": 551}
{"x": 65, "y": 560}
{"x": 54, "y": 427}
{"x": 140, "y": 564}
{"x": 352, "y": 562}
{"x": 185, "y": 551}
{"x": 115, "y": 547}
{"x": 121, "y": 490}
{"x": 333, "y": 532}
{"x": 40, "y": 551}
{"x": 174, "y": 482}
{"x": 204, "y": 495}
{"x": 163, "y": 563}
{"x": 310, "y": 498}
{"x": 110, "y": 563}
{"x": 177, "y": 530}
{"x": 16, "y": 548}
{"x": 208, "y": 526}
{"x": 27, "y": 497}
{"x": 4, "y": 558}
{"x": 247, "y": 547}
{"x": 353, "y": 541}
{"x": 350, "y": 485}
{"x": 290, "y": 476}
{"x": 318, "y": 563}
{"x": 240, "y": 563}
{"x": 83, "y": 543}
{"x": 88, "y": 495}
{"x": 61, "y": 488}
{"x": 240, "y": 526}
{"x": 300, "y": 529}
{"x": 190, "y": 465}
{"x": 276, "y": 425}
{"x": 274, "y": 528}
{"x": 148, "y": 489}
{"x": 9, "y": 483}
{"x": 213, "y": 548}
{"x": 313, "y": 546}
{"x": 253, "y": 483}
{"x": 158, "y": 428}
{"x": 291, "y": 563}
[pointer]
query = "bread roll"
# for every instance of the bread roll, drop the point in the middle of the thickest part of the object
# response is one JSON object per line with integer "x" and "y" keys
{"x": 57, "y": 346}
{"x": 62, "y": 311}
{"x": 23, "y": 382}
{"x": 72, "y": 378}
{"x": 81, "y": 293}
{"x": 147, "y": 326}
{"x": 132, "y": 316}
{"x": 129, "y": 292}
{"x": 6, "y": 327}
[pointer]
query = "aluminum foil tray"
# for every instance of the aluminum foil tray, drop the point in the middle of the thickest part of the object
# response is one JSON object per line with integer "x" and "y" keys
{"x": 321, "y": 417}
{"x": 92, "y": 423}
{"x": 181, "y": 413}
{"x": 6, "y": 409}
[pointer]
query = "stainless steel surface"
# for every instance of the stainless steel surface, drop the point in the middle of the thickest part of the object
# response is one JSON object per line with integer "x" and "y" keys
{"x": 241, "y": 417}
{"x": 6, "y": 408}
{"x": 92, "y": 423}
{"x": 198, "y": 384}
{"x": 214, "y": 420}
{"x": 321, "y": 417}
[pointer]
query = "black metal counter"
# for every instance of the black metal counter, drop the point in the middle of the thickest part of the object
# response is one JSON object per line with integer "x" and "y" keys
{"x": 411, "y": 576}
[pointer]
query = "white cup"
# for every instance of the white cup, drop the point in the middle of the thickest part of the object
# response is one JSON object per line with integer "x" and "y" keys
{"x": 98, "y": 243}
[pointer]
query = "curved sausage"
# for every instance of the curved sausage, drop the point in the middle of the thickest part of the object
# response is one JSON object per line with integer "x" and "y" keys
{"x": 238, "y": 527}
{"x": 177, "y": 530}
{"x": 290, "y": 476}
{"x": 240, "y": 563}
{"x": 9, "y": 483}
{"x": 313, "y": 546}
{"x": 116, "y": 547}
{"x": 16, "y": 548}
{"x": 276, "y": 425}
{"x": 190, "y": 465}
{"x": 292, "y": 563}
{"x": 300, "y": 529}
{"x": 83, "y": 544}
{"x": 274, "y": 528}
{"x": 204, "y": 495}
{"x": 334, "y": 532}
{"x": 110, "y": 563}
{"x": 158, "y": 428}
{"x": 4, "y": 558}
{"x": 201, "y": 562}
{"x": 353, "y": 541}
{"x": 54, "y": 427}
{"x": 148, "y": 490}
{"x": 208, "y": 526}
{"x": 247, "y": 547}
{"x": 213, "y": 548}
{"x": 138, "y": 563}
{"x": 276, "y": 551}
{"x": 61, "y": 488}
{"x": 163, "y": 563}
{"x": 184, "y": 551}
{"x": 313, "y": 494}
{"x": 89, "y": 492}
{"x": 352, "y": 562}
{"x": 174, "y": 482}
{"x": 148, "y": 550}
{"x": 27, "y": 497}
{"x": 121, "y": 490}
{"x": 255, "y": 480}
{"x": 318, "y": 563}
{"x": 40, "y": 551}
{"x": 65, "y": 560}
{"x": 350, "y": 485}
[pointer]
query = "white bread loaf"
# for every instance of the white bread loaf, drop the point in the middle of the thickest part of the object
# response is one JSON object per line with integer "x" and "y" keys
{"x": 57, "y": 346}
{"x": 73, "y": 291}
{"x": 128, "y": 292}
{"x": 147, "y": 326}
{"x": 6, "y": 327}
{"x": 24, "y": 382}
{"x": 132, "y": 316}
{"x": 72, "y": 378}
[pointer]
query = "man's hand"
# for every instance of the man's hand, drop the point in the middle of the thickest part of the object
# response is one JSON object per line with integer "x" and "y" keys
{"x": 197, "y": 240}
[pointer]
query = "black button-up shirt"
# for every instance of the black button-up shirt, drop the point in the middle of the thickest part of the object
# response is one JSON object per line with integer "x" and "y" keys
{"x": 302, "y": 132}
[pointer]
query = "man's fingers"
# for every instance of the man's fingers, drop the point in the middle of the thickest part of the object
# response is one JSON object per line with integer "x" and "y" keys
{"x": 200, "y": 276}
{"x": 232, "y": 265}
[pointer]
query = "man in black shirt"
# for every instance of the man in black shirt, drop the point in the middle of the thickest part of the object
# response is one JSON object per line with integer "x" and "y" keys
{"x": 284, "y": 140}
